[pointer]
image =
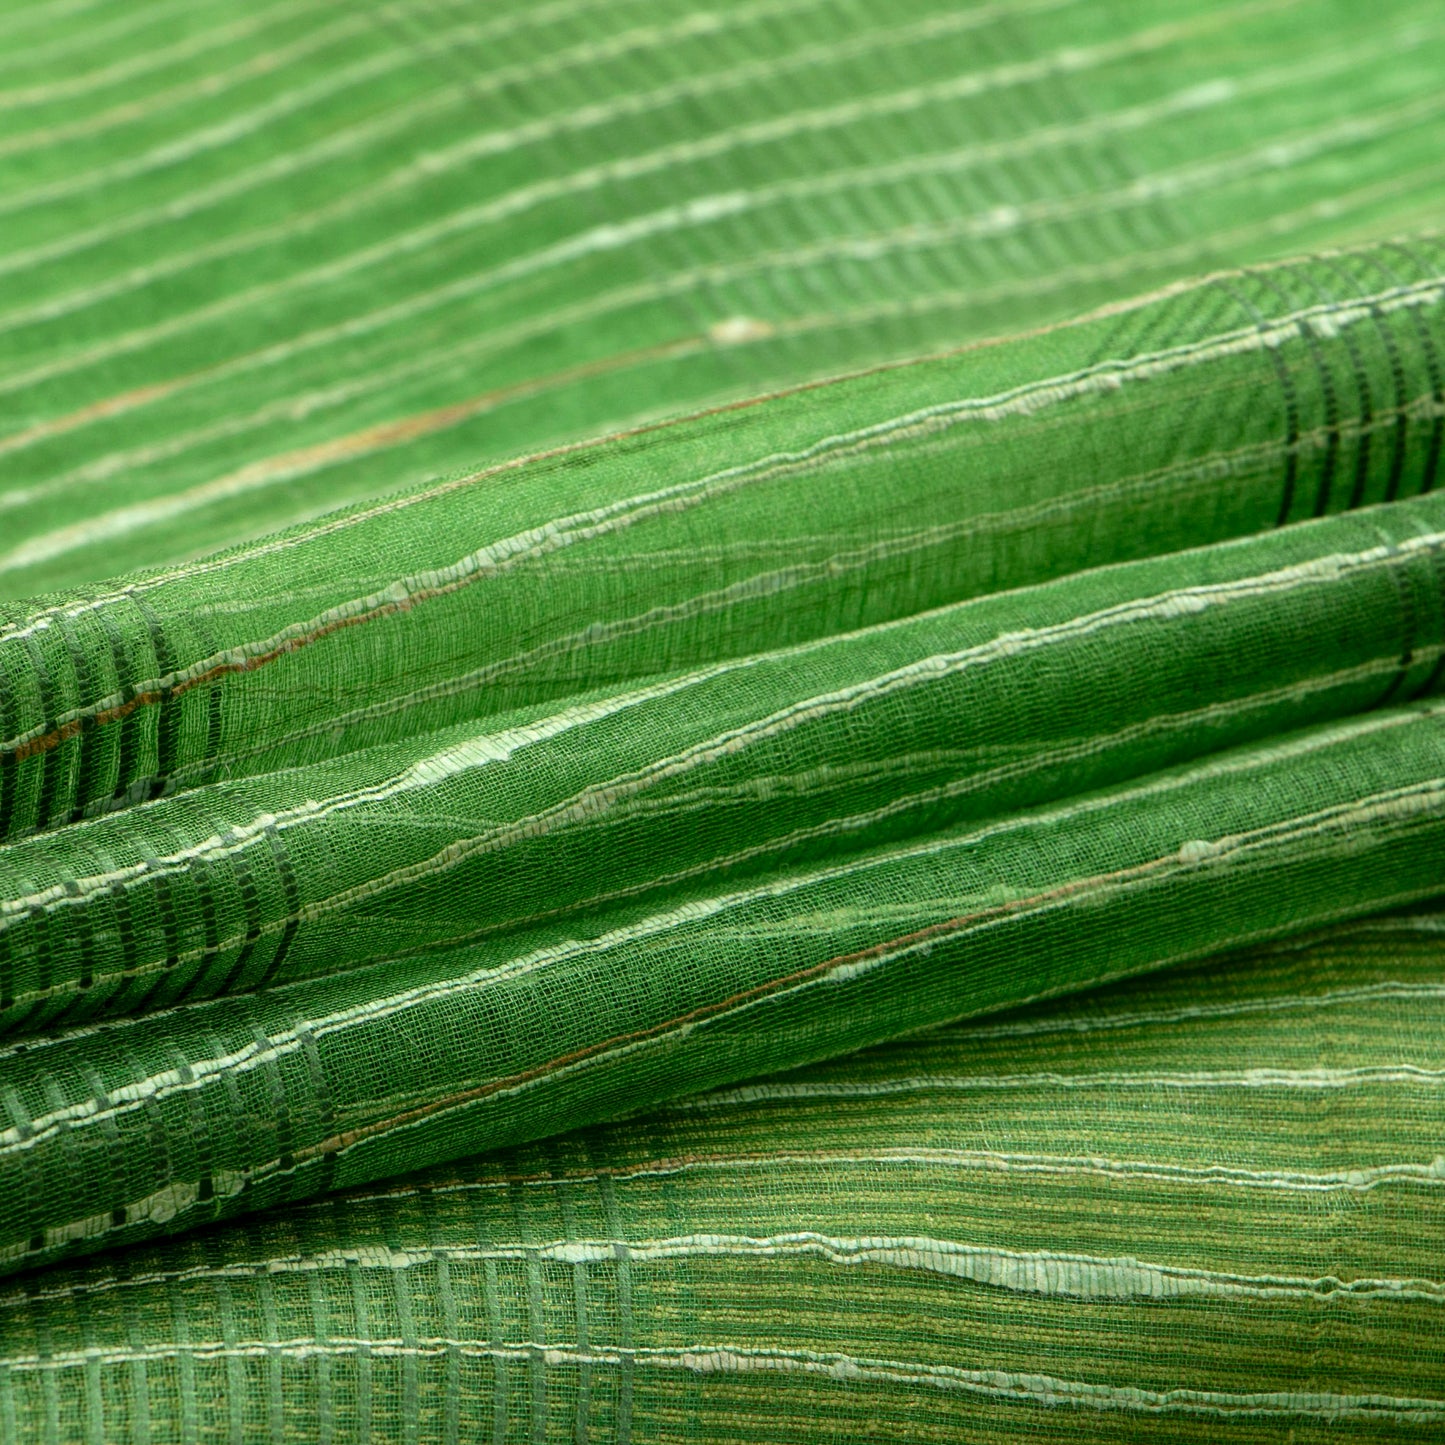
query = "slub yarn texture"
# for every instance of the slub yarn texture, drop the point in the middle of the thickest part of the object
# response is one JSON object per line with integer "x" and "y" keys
{"x": 722, "y": 724}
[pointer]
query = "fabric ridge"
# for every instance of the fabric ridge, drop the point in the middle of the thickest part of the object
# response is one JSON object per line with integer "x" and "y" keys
{"x": 1154, "y": 1184}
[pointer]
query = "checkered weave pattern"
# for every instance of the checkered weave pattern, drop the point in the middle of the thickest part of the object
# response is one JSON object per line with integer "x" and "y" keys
{"x": 1202, "y": 1207}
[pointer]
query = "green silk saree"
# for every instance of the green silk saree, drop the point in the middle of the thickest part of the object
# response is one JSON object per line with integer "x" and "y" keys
{"x": 722, "y": 724}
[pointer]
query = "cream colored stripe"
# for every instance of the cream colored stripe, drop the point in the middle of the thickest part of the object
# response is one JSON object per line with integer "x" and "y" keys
{"x": 78, "y": 82}
{"x": 1291, "y": 748}
{"x": 350, "y": 136}
{"x": 1402, "y": 808}
{"x": 847, "y": 824}
{"x": 602, "y": 237}
{"x": 1307, "y": 1079}
{"x": 221, "y": 133}
{"x": 1188, "y": 1013}
{"x": 37, "y": 13}
{"x": 1039, "y": 1272}
{"x": 488, "y": 748}
{"x": 1049, "y": 1391}
{"x": 202, "y": 87}
{"x": 343, "y": 140}
{"x": 332, "y": 522}
{"x": 1399, "y": 806}
{"x": 610, "y": 236}
{"x": 1190, "y": 100}
{"x": 1359, "y": 1179}
{"x": 460, "y": 757}
{"x": 850, "y": 824}
{"x": 775, "y": 583}
{"x": 270, "y": 471}
{"x": 560, "y": 532}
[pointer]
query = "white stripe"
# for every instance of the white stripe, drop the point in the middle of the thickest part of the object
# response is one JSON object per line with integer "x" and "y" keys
{"x": 1308, "y": 1079}
{"x": 333, "y": 522}
{"x": 838, "y": 825}
{"x": 203, "y": 87}
{"x": 730, "y": 1359}
{"x": 336, "y": 143}
{"x": 494, "y": 341}
{"x": 1341, "y": 822}
{"x": 1022, "y": 400}
{"x": 599, "y": 798}
{"x": 78, "y": 82}
{"x": 1211, "y": 711}
{"x": 1039, "y": 1389}
{"x": 220, "y": 134}
{"x": 1188, "y": 1013}
{"x": 429, "y": 165}
{"x": 132, "y": 17}
{"x": 1191, "y": 99}
{"x": 461, "y": 757}
{"x": 1402, "y": 808}
{"x": 397, "y": 57}
{"x": 1361, "y": 1179}
{"x": 776, "y": 582}
{"x": 353, "y": 134}
{"x": 1290, "y": 748}
{"x": 1040, "y": 1272}
{"x": 624, "y": 232}
{"x": 1398, "y": 805}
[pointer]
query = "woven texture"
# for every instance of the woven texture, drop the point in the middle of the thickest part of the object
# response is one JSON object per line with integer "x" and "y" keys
{"x": 559, "y": 562}
{"x": 810, "y": 513}
{"x": 964, "y": 712}
{"x": 1208, "y": 1208}
{"x": 259, "y": 266}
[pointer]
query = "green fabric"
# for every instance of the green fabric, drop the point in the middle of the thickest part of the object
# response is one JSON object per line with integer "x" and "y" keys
{"x": 1207, "y": 1206}
{"x": 176, "y": 1117}
{"x": 557, "y": 558}
{"x": 259, "y": 265}
{"x": 826, "y": 509}
{"x": 692, "y": 779}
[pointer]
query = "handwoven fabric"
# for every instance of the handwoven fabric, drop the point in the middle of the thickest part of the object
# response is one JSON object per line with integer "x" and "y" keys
{"x": 580, "y": 563}
{"x": 1204, "y": 1208}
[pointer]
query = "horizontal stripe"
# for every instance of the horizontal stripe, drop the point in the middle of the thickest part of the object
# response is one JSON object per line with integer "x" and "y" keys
{"x": 205, "y": 87}
{"x": 1197, "y": 1012}
{"x": 40, "y": 617}
{"x": 1307, "y": 1079}
{"x": 1359, "y": 1179}
{"x": 1038, "y": 1272}
{"x": 839, "y": 1368}
{"x": 565, "y": 531}
{"x": 1403, "y": 804}
{"x": 172, "y": 1198}
{"x": 487, "y": 749}
{"x": 78, "y": 82}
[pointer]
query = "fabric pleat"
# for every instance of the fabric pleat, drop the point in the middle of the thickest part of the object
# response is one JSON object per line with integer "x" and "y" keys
{"x": 1205, "y": 1206}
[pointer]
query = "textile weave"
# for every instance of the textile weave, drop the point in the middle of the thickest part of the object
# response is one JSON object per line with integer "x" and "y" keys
{"x": 1202, "y": 1207}
{"x": 566, "y": 569}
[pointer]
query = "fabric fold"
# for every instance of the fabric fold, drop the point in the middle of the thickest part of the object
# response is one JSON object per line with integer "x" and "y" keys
{"x": 798, "y": 515}
{"x": 1156, "y": 1207}
{"x": 118, "y": 1130}
{"x": 721, "y": 725}
{"x": 974, "y": 710}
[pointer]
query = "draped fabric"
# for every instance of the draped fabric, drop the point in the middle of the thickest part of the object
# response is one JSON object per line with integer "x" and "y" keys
{"x": 564, "y": 570}
{"x": 1205, "y": 1206}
